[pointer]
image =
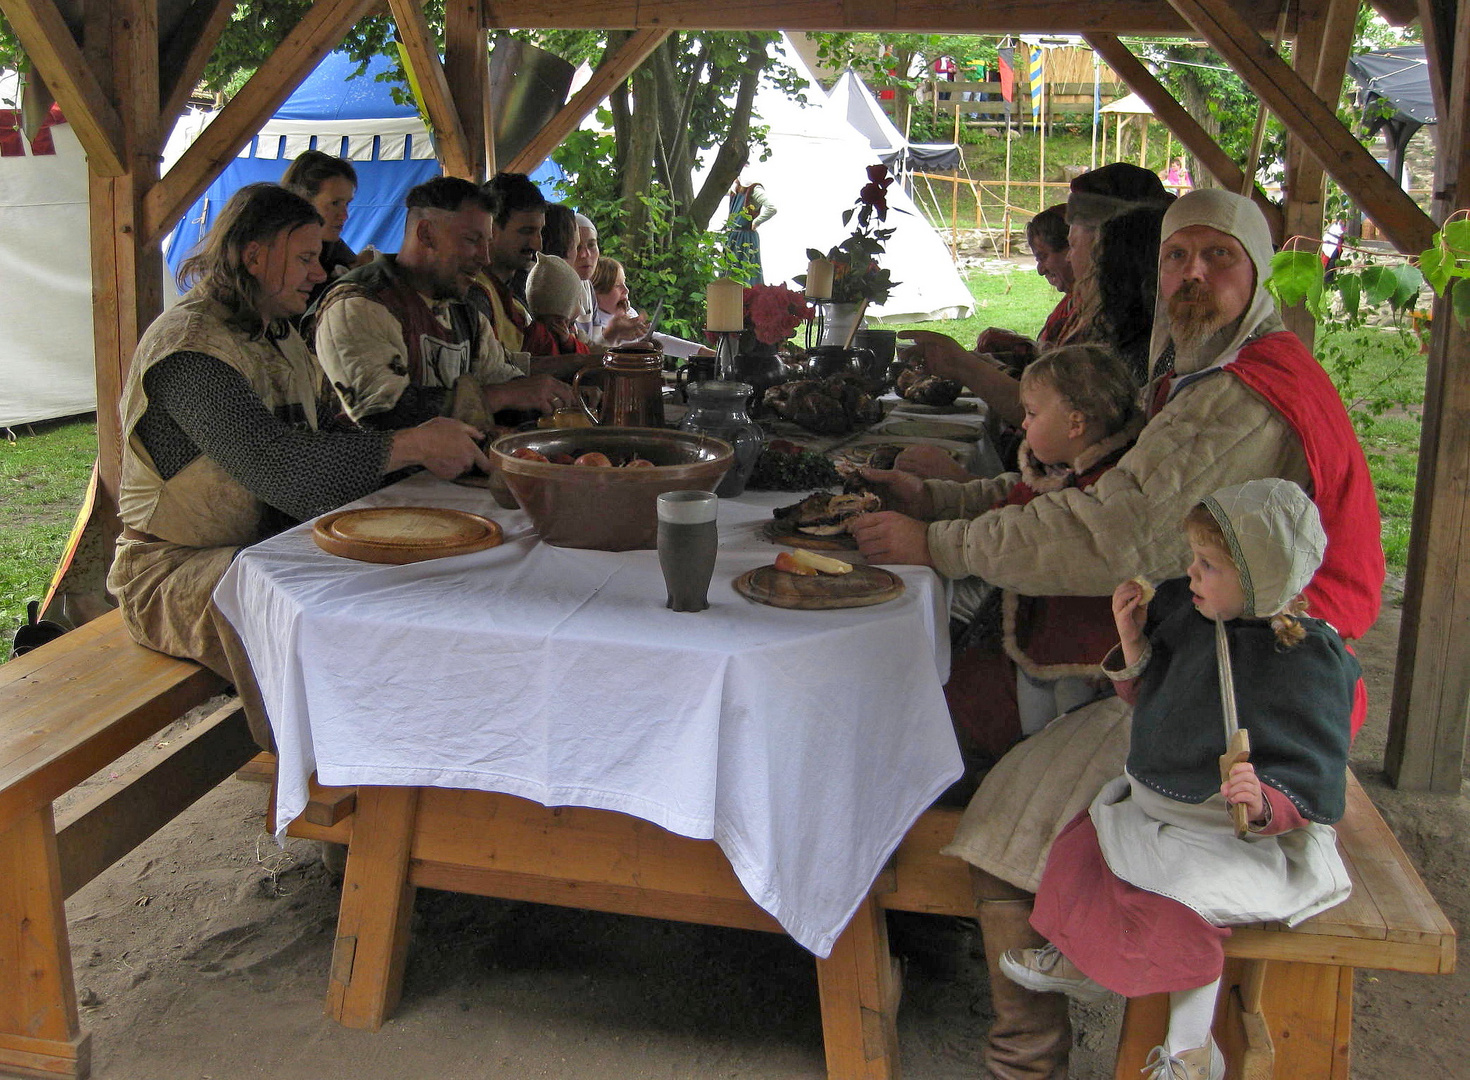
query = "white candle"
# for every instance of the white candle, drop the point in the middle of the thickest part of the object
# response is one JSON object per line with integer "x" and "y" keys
{"x": 725, "y": 306}
{"x": 819, "y": 279}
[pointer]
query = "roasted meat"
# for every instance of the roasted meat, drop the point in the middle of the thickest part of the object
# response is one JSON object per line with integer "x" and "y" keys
{"x": 914, "y": 385}
{"x": 831, "y": 406}
{"x": 825, "y": 514}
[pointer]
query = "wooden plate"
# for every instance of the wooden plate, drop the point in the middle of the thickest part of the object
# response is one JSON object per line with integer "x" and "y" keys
{"x": 782, "y": 531}
{"x": 403, "y": 534}
{"x": 932, "y": 429}
{"x": 865, "y": 586}
{"x": 959, "y": 406}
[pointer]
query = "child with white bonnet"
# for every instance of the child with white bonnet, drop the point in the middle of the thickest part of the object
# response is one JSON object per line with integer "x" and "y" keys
{"x": 554, "y": 298}
{"x": 1139, "y": 890}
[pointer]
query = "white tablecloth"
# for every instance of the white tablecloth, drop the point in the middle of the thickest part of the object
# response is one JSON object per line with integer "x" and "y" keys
{"x": 805, "y": 743}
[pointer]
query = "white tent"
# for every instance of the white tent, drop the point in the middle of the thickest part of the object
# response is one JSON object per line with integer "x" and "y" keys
{"x": 816, "y": 167}
{"x": 1128, "y": 105}
{"x": 46, "y": 305}
{"x": 851, "y": 99}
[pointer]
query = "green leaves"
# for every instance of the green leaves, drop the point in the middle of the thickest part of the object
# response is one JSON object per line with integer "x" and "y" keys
{"x": 1448, "y": 259}
{"x": 1296, "y": 278}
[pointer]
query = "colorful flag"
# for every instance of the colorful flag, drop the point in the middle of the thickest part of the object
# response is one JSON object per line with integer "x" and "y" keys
{"x": 1005, "y": 59}
{"x": 1037, "y": 83}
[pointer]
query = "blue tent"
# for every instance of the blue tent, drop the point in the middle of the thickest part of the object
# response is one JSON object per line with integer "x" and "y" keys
{"x": 354, "y": 118}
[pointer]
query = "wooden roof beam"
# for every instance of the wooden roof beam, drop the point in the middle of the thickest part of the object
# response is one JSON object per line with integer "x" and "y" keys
{"x": 918, "y": 16}
{"x": 183, "y": 57}
{"x": 433, "y": 87}
{"x": 1312, "y": 121}
{"x": 607, "y": 76}
{"x": 1194, "y": 137}
{"x": 49, "y": 43}
{"x": 273, "y": 82}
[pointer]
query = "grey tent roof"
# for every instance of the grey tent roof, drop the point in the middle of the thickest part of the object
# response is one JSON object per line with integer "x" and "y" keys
{"x": 1398, "y": 76}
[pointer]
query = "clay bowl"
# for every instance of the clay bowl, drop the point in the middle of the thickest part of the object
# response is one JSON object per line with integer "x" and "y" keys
{"x": 609, "y": 509}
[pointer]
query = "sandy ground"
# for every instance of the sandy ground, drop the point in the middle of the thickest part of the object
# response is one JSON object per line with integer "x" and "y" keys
{"x": 203, "y": 956}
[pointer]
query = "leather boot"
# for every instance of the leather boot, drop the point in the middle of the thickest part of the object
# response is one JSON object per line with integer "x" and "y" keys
{"x": 1031, "y": 1037}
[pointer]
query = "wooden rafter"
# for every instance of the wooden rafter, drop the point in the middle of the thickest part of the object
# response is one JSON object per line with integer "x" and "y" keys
{"x": 183, "y": 57}
{"x": 1188, "y": 130}
{"x": 1431, "y": 690}
{"x": 49, "y": 43}
{"x": 1310, "y": 120}
{"x": 273, "y": 82}
{"x": 433, "y": 87}
{"x": 918, "y": 16}
{"x": 607, "y": 76}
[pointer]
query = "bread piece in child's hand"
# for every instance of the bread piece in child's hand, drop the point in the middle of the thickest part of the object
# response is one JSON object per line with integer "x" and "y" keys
{"x": 1145, "y": 590}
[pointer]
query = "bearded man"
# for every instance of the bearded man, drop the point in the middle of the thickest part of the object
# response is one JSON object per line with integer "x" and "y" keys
{"x": 1234, "y": 397}
{"x": 395, "y": 336}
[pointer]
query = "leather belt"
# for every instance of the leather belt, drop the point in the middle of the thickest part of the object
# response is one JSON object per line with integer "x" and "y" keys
{"x": 130, "y": 533}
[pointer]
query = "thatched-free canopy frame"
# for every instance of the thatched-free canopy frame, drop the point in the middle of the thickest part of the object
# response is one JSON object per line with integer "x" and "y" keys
{"x": 122, "y": 70}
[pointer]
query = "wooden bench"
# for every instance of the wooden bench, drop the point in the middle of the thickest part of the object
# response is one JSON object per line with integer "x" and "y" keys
{"x": 1287, "y": 1011}
{"x": 68, "y": 710}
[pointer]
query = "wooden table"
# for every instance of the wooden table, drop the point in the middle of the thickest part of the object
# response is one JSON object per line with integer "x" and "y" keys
{"x": 498, "y": 845}
{"x": 490, "y": 842}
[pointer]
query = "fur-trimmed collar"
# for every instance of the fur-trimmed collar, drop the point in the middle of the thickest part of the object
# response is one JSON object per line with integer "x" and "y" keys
{"x": 1042, "y": 478}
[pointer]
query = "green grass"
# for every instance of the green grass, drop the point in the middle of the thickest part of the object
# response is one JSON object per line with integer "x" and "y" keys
{"x": 43, "y": 476}
{"x": 1018, "y": 299}
{"x": 1381, "y": 373}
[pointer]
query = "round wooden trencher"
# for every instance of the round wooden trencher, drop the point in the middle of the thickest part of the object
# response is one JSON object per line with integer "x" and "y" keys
{"x": 932, "y": 429}
{"x": 782, "y": 531}
{"x": 403, "y": 534}
{"x": 865, "y": 586}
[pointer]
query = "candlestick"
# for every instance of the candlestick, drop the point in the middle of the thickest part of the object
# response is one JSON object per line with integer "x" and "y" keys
{"x": 725, "y": 306}
{"x": 819, "y": 279}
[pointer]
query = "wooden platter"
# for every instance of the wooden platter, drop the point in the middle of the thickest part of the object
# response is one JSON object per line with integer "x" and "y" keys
{"x": 782, "y": 531}
{"x": 403, "y": 534}
{"x": 865, "y": 586}
{"x": 932, "y": 429}
{"x": 960, "y": 406}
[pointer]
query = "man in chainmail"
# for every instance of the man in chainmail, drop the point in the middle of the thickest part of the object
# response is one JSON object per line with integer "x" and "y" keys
{"x": 228, "y": 437}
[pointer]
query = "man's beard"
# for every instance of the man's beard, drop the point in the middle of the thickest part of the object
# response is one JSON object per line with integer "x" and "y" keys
{"x": 1194, "y": 317}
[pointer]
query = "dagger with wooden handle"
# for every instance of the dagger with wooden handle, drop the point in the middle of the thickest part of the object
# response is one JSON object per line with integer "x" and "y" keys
{"x": 1237, "y": 739}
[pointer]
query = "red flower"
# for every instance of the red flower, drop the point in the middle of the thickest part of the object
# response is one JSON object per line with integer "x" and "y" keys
{"x": 773, "y": 312}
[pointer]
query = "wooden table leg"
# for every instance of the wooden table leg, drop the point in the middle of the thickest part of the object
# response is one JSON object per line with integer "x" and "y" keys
{"x": 377, "y": 901}
{"x": 40, "y": 1034}
{"x": 859, "y": 985}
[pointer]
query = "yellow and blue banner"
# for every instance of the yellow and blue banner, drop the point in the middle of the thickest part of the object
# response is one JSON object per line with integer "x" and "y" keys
{"x": 1037, "y": 81}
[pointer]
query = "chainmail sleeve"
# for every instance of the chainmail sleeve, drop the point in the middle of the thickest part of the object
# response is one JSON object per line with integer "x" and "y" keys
{"x": 197, "y": 404}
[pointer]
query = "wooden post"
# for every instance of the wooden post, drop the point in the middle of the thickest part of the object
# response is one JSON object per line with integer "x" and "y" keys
{"x": 1324, "y": 37}
{"x": 127, "y": 270}
{"x": 466, "y": 67}
{"x": 1431, "y": 690}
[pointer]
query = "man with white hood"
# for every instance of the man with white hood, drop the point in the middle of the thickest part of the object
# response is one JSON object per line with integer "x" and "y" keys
{"x": 1233, "y": 397}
